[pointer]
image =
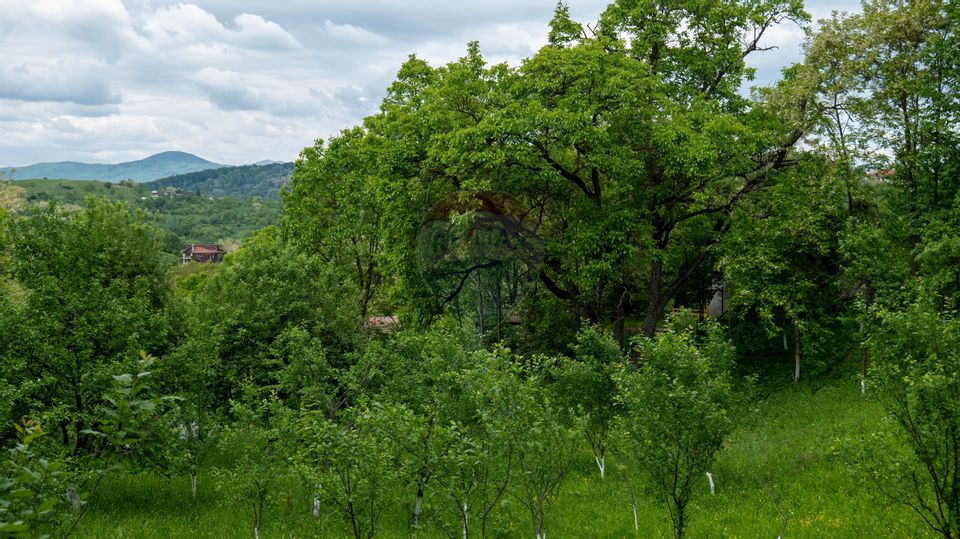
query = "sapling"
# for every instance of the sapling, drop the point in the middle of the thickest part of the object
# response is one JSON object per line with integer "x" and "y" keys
{"x": 249, "y": 482}
{"x": 355, "y": 461}
{"x": 27, "y": 484}
{"x": 675, "y": 413}
{"x": 916, "y": 376}
{"x": 584, "y": 391}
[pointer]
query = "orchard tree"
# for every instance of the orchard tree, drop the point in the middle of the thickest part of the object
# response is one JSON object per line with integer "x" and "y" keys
{"x": 916, "y": 372}
{"x": 94, "y": 294}
{"x": 355, "y": 462}
{"x": 427, "y": 360}
{"x": 584, "y": 389}
{"x": 676, "y": 408}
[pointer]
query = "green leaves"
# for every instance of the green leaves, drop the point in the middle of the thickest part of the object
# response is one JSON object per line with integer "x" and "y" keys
{"x": 27, "y": 482}
{"x": 675, "y": 413}
{"x": 916, "y": 372}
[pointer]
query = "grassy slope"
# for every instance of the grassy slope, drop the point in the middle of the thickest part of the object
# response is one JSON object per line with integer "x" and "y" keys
{"x": 76, "y": 191}
{"x": 784, "y": 449}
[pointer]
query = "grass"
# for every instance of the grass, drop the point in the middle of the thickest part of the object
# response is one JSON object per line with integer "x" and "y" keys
{"x": 782, "y": 460}
{"x": 76, "y": 191}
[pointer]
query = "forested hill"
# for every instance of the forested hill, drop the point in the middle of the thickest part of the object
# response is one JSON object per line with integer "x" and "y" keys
{"x": 153, "y": 167}
{"x": 242, "y": 181}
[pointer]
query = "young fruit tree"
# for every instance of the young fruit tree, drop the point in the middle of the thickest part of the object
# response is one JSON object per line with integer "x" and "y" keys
{"x": 916, "y": 371}
{"x": 675, "y": 414}
{"x": 354, "y": 462}
{"x": 585, "y": 390}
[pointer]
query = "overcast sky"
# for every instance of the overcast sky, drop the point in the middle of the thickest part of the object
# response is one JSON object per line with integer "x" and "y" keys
{"x": 240, "y": 81}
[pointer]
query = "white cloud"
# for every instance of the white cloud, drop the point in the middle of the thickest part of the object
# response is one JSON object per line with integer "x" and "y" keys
{"x": 235, "y": 82}
{"x": 81, "y": 84}
{"x": 352, "y": 34}
{"x": 189, "y": 24}
{"x": 228, "y": 90}
{"x": 256, "y": 32}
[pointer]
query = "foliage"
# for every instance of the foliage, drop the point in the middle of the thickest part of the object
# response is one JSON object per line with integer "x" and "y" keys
{"x": 355, "y": 463}
{"x": 245, "y": 181}
{"x": 94, "y": 294}
{"x": 192, "y": 218}
{"x": 26, "y": 481}
{"x": 917, "y": 375}
{"x": 585, "y": 390}
{"x": 676, "y": 413}
{"x": 624, "y": 150}
{"x": 331, "y": 209}
{"x": 891, "y": 76}
{"x": 780, "y": 257}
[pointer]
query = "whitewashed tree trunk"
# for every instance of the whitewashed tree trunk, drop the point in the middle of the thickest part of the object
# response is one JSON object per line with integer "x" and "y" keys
{"x": 600, "y": 464}
{"x": 256, "y": 532}
{"x": 796, "y": 353}
{"x": 636, "y": 519}
{"x": 710, "y": 480}
{"x": 466, "y": 518}
{"x": 193, "y": 484}
{"x": 73, "y": 498}
{"x": 316, "y": 508}
{"x": 416, "y": 508}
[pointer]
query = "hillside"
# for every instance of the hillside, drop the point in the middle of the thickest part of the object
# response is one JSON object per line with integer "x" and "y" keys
{"x": 153, "y": 167}
{"x": 243, "y": 181}
{"x": 192, "y": 218}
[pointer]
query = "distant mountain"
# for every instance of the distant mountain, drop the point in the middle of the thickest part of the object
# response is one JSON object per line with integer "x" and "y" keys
{"x": 268, "y": 162}
{"x": 243, "y": 181}
{"x": 156, "y": 166}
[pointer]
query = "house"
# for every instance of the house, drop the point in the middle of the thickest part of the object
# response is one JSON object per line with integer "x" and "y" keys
{"x": 384, "y": 324}
{"x": 201, "y": 252}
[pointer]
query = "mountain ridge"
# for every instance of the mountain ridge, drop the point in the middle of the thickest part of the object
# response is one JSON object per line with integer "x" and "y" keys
{"x": 153, "y": 167}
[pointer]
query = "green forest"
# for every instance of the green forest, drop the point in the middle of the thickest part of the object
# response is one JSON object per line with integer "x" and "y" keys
{"x": 613, "y": 291}
{"x": 192, "y": 214}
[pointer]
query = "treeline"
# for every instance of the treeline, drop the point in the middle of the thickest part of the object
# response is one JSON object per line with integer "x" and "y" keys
{"x": 245, "y": 181}
{"x": 473, "y": 290}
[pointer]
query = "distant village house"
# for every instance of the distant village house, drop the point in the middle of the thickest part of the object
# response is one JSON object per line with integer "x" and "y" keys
{"x": 201, "y": 252}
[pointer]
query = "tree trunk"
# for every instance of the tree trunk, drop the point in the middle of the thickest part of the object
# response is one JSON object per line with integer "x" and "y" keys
{"x": 619, "y": 314}
{"x": 600, "y": 463}
{"x": 796, "y": 353}
{"x": 654, "y": 302}
{"x": 417, "y": 505}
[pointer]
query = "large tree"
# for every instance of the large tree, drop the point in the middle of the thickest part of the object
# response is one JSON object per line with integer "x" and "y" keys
{"x": 889, "y": 78}
{"x": 331, "y": 210}
{"x": 622, "y": 150}
{"x": 90, "y": 292}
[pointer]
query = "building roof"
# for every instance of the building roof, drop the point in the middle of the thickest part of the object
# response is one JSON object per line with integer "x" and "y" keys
{"x": 202, "y": 248}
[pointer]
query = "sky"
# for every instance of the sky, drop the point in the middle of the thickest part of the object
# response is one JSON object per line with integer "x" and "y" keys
{"x": 235, "y": 82}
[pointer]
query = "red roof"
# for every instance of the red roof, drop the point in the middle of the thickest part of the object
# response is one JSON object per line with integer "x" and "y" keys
{"x": 197, "y": 248}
